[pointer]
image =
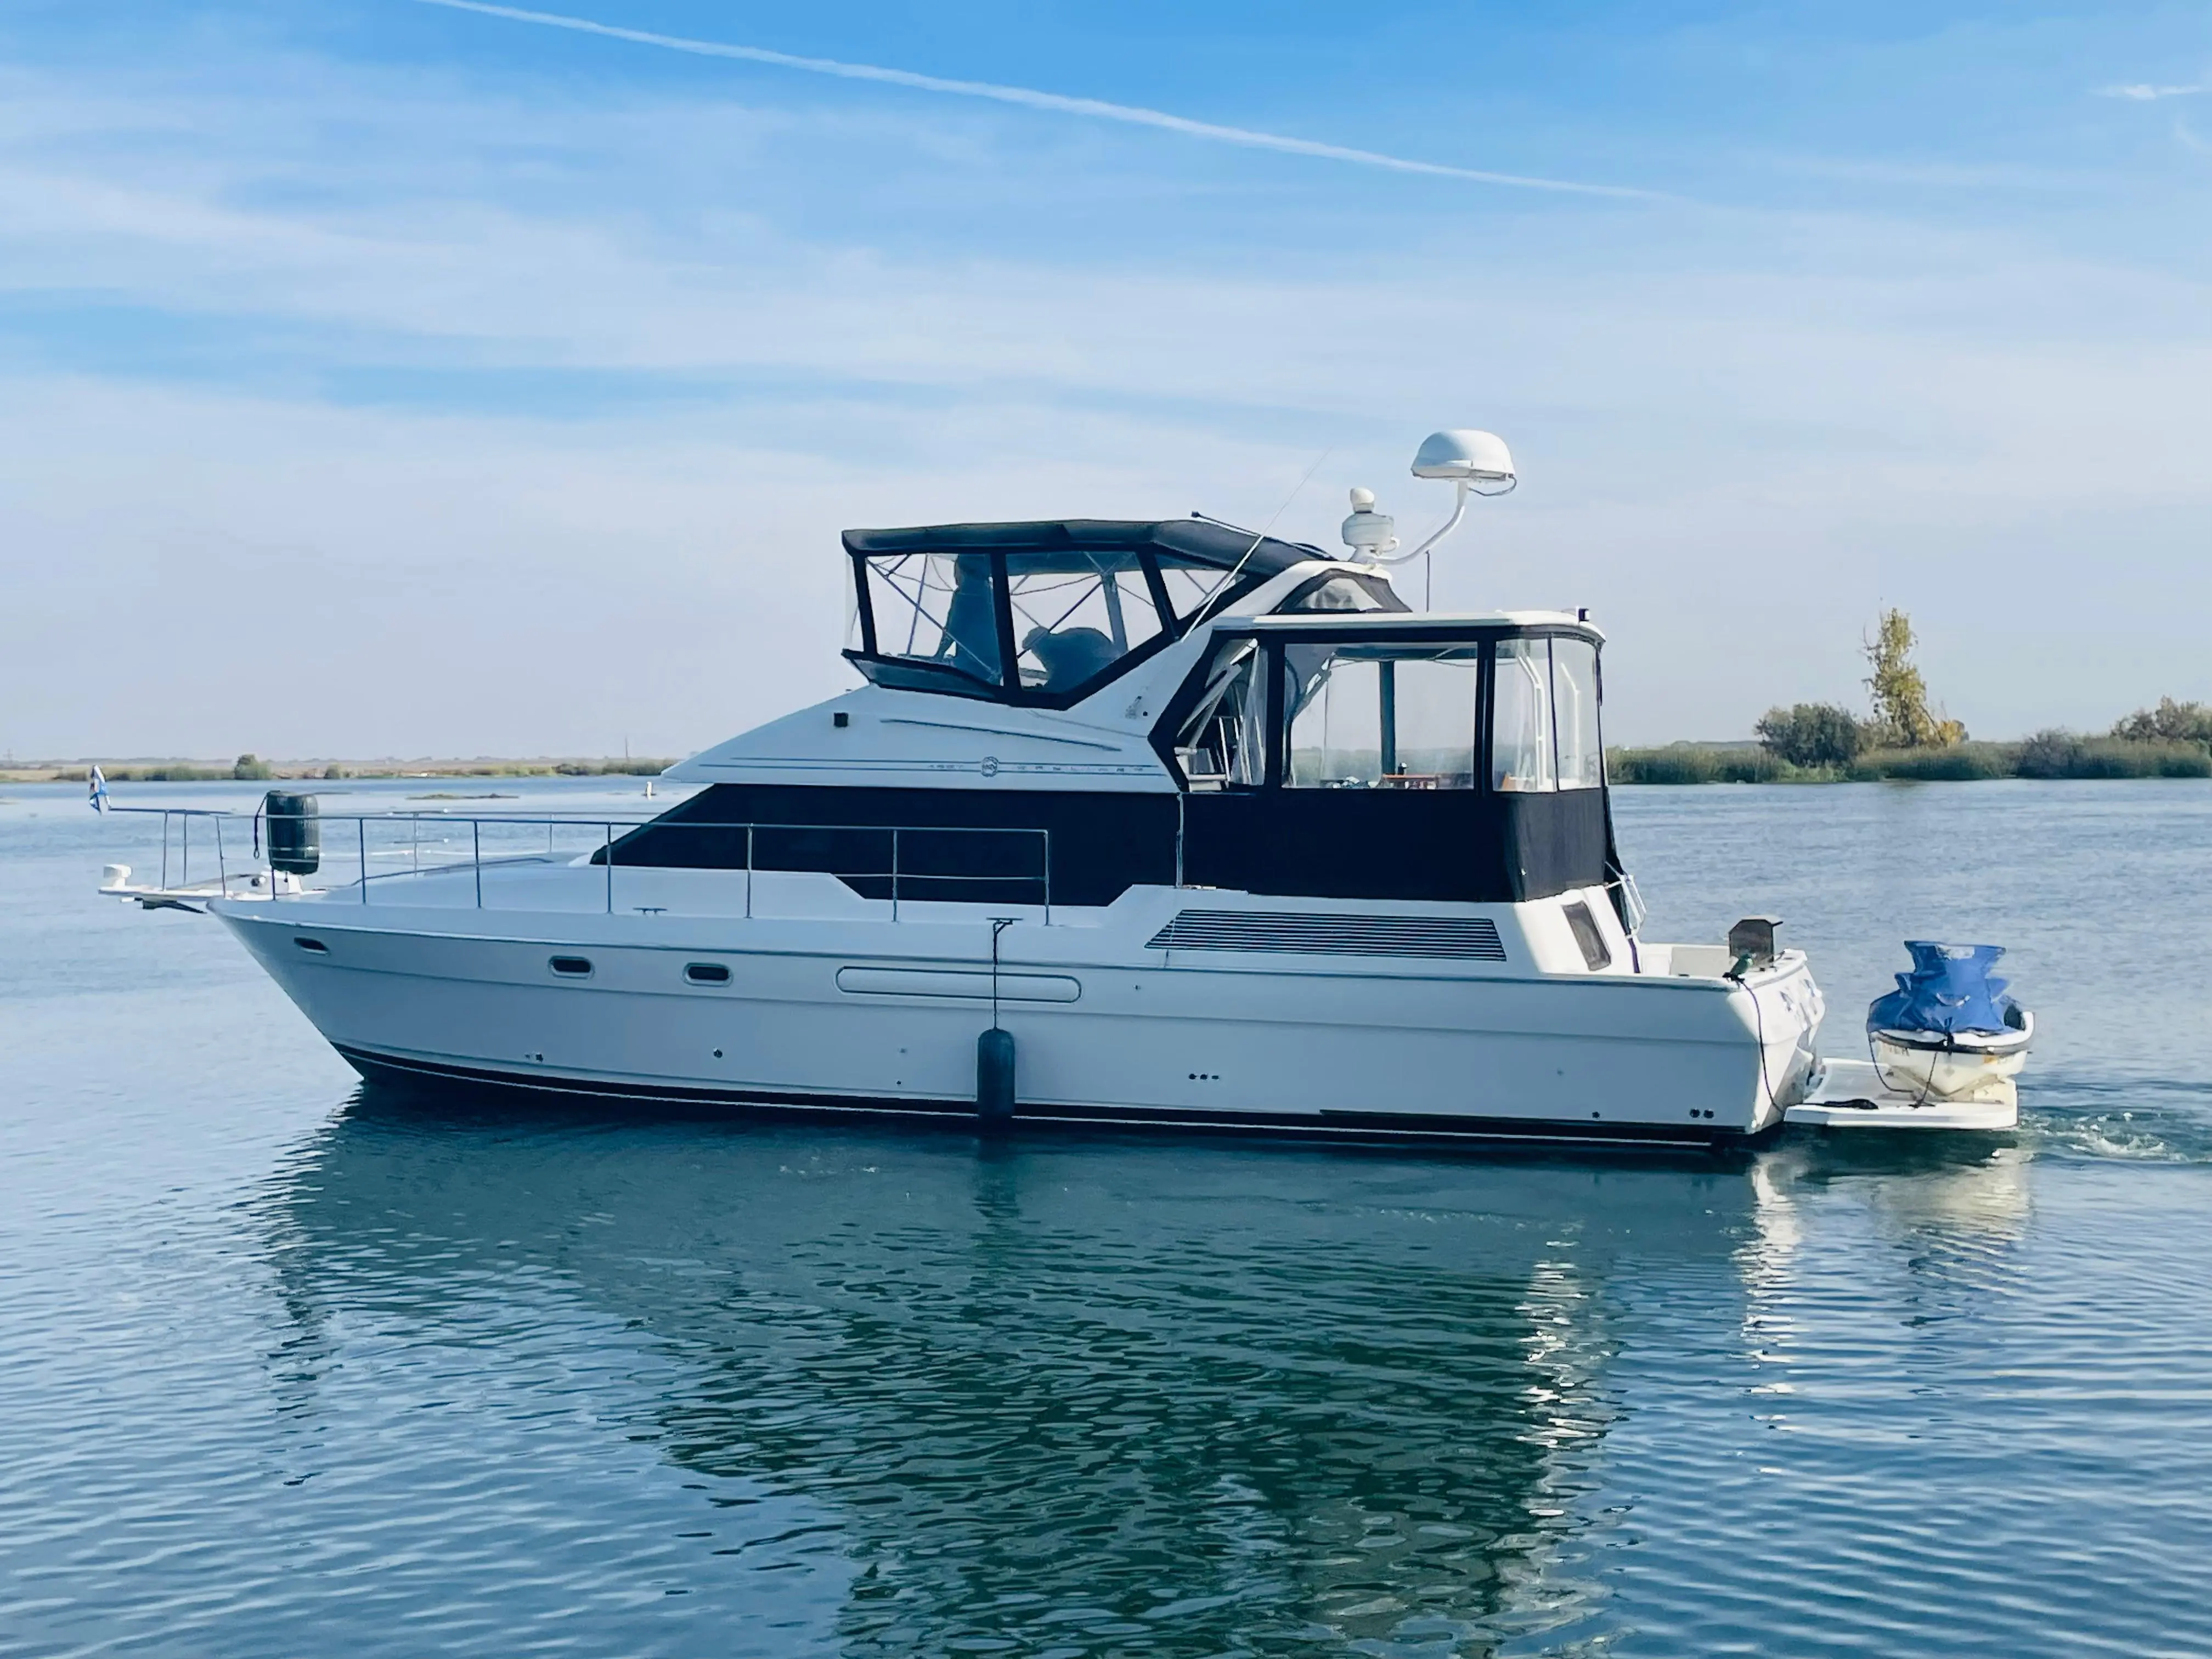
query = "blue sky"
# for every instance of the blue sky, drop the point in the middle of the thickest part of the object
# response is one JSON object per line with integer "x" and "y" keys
{"x": 393, "y": 379}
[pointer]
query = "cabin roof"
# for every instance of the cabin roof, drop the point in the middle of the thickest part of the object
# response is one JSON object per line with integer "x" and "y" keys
{"x": 1411, "y": 622}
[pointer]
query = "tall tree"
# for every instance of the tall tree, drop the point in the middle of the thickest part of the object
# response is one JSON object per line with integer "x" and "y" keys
{"x": 1900, "y": 695}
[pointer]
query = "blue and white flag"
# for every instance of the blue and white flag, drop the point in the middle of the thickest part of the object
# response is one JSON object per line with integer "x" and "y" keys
{"x": 99, "y": 786}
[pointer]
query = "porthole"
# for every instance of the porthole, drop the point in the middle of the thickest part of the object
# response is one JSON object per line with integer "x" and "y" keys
{"x": 707, "y": 972}
{"x": 314, "y": 945}
{"x": 572, "y": 967}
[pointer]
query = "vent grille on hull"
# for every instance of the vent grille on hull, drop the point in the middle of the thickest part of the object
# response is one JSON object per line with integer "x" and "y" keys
{"x": 1464, "y": 937}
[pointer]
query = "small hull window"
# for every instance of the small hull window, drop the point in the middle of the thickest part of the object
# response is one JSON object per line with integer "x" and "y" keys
{"x": 313, "y": 947}
{"x": 571, "y": 967}
{"x": 707, "y": 972}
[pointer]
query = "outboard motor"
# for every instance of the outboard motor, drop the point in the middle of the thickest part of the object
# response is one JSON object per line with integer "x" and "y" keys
{"x": 1951, "y": 1031}
{"x": 295, "y": 832}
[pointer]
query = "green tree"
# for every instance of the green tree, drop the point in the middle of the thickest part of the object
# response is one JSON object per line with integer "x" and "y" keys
{"x": 250, "y": 765}
{"x": 1902, "y": 718}
{"x": 2170, "y": 722}
{"x": 1811, "y": 734}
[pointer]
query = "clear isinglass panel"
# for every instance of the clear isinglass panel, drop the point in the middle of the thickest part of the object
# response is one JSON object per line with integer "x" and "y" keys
{"x": 1520, "y": 758}
{"x": 1223, "y": 744}
{"x": 1574, "y": 713}
{"x": 1434, "y": 700}
{"x": 1346, "y": 593}
{"x": 1376, "y": 716}
{"x": 1336, "y": 719}
{"x": 1192, "y": 585}
{"x": 1078, "y": 614}
{"x": 936, "y": 608}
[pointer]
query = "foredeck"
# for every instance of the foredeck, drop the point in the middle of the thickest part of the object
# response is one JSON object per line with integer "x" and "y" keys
{"x": 486, "y": 861}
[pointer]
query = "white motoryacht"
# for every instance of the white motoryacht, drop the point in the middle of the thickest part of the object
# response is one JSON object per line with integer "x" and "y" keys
{"x": 1164, "y": 823}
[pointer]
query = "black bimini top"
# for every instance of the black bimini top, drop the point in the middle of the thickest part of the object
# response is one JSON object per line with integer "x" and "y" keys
{"x": 1042, "y": 612}
{"x": 1198, "y": 541}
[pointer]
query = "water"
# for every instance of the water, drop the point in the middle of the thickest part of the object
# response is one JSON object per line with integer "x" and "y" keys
{"x": 287, "y": 1368}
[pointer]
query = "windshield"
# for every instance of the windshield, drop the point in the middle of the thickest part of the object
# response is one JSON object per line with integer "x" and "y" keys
{"x": 1067, "y": 620}
{"x": 936, "y": 608}
{"x": 1077, "y": 615}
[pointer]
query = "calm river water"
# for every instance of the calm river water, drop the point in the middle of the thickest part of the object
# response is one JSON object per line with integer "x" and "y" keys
{"x": 287, "y": 1368}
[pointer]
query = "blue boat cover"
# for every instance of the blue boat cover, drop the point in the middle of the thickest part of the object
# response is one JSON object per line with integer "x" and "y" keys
{"x": 1949, "y": 989}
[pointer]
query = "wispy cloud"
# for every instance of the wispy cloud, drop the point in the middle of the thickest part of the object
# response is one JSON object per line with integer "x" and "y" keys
{"x": 2144, "y": 91}
{"x": 1059, "y": 103}
{"x": 318, "y": 331}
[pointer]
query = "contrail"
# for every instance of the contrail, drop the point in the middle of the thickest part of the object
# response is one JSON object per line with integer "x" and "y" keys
{"x": 1030, "y": 98}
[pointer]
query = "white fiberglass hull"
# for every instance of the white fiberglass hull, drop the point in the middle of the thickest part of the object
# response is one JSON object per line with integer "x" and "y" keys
{"x": 866, "y": 1014}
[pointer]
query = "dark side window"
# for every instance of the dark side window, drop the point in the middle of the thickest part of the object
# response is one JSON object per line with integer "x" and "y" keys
{"x": 1596, "y": 953}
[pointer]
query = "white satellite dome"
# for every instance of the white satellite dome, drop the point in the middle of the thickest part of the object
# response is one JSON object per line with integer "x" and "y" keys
{"x": 1464, "y": 456}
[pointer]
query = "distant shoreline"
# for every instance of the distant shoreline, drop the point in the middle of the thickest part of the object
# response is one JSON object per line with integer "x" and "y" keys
{"x": 1675, "y": 764}
{"x": 2048, "y": 756}
{"x": 155, "y": 770}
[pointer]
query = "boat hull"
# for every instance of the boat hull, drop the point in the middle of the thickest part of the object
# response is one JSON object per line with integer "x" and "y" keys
{"x": 1306, "y": 1045}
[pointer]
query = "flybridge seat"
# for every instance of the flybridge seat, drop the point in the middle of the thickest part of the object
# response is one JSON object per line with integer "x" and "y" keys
{"x": 1044, "y": 613}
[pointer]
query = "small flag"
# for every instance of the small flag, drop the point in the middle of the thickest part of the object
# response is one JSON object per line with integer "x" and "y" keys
{"x": 99, "y": 786}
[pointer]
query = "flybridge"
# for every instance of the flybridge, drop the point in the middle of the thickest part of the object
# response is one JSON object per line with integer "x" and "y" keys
{"x": 1043, "y": 613}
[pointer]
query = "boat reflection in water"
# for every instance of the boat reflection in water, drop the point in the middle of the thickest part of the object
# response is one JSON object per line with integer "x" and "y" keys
{"x": 1049, "y": 1394}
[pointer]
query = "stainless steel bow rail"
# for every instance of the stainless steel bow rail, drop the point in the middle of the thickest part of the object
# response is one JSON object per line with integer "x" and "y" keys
{"x": 597, "y": 839}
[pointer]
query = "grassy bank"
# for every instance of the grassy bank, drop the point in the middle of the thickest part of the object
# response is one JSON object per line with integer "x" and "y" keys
{"x": 2048, "y": 754}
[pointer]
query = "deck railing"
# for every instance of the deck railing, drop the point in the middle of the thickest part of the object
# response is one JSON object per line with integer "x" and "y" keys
{"x": 431, "y": 842}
